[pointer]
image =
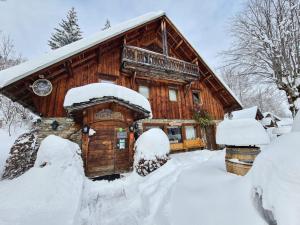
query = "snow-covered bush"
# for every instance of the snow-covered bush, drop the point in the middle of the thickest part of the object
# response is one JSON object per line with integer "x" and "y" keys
{"x": 275, "y": 179}
{"x": 151, "y": 151}
{"x": 50, "y": 192}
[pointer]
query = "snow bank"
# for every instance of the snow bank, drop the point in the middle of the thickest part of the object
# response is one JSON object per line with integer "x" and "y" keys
{"x": 99, "y": 90}
{"x": 249, "y": 113}
{"x": 241, "y": 132}
{"x": 275, "y": 175}
{"x": 296, "y": 124}
{"x": 50, "y": 192}
{"x": 151, "y": 144}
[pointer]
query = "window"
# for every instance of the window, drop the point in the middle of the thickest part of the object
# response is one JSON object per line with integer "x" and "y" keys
{"x": 106, "y": 81}
{"x": 174, "y": 134}
{"x": 173, "y": 95}
{"x": 196, "y": 97}
{"x": 144, "y": 90}
{"x": 190, "y": 132}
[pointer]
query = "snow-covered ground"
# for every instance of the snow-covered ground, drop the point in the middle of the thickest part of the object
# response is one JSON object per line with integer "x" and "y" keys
{"x": 191, "y": 188}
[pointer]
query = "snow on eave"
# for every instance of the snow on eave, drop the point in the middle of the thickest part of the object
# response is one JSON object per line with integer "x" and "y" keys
{"x": 21, "y": 71}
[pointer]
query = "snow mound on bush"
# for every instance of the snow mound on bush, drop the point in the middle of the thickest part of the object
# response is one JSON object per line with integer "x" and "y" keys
{"x": 275, "y": 177}
{"x": 152, "y": 144}
{"x": 50, "y": 192}
{"x": 241, "y": 132}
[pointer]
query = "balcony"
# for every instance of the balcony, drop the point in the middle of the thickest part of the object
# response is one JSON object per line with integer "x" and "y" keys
{"x": 156, "y": 64}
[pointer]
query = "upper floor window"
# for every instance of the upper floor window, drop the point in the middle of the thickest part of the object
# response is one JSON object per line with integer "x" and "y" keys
{"x": 173, "y": 95}
{"x": 144, "y": 90}
{"x": 196, "y": 98}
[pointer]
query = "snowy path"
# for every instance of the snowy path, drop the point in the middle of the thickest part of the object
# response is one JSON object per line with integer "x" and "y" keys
{"x": 191, "y": 187}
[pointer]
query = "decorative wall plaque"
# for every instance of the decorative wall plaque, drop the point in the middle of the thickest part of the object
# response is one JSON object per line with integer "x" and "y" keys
{"x": 107, "y": 114}
{"x": 42, "y": 87}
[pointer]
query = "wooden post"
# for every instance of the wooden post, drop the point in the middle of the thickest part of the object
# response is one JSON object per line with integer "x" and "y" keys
{"x": 164, "y": 37}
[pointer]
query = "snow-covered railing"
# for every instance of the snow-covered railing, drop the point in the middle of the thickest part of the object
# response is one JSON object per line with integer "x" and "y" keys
{"x": 138, "y": 58}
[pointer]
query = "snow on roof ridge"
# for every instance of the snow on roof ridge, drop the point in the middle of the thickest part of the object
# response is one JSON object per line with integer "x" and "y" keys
{"x": 22, "y": 70}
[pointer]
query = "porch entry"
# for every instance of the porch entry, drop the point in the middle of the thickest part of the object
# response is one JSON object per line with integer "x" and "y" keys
{"x": 108, "y": 149}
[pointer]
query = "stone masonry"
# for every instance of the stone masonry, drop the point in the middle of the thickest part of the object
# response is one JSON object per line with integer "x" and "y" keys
{"x": 66, "y": 128}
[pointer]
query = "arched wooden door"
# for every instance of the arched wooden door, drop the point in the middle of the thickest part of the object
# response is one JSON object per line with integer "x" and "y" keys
{"x": 108, "y": 150}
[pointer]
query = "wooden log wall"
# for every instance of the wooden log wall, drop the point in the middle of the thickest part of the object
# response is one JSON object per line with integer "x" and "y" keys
{"x": 108, "y": 63}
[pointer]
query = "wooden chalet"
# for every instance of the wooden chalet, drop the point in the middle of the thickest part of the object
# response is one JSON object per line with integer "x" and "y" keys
{"x": 147, "y": 54}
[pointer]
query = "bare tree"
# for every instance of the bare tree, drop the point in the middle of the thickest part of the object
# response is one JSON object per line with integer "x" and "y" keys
{"x": 266, "y": 45}
{"x": 252, "y": 93}
{"x": 8, "y": 56}
{"x": 11, "y": 112}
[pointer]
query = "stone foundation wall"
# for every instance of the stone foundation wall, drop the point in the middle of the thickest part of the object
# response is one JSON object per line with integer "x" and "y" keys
{"x": 66, "y": 128}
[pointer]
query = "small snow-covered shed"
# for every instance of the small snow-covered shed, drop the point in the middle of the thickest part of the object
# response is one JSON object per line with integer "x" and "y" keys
{"x": 248, "y": 113}
{"x": 242, "y": 138}
{"x": 107, "y": 113}
{"x": 270, "y": 120}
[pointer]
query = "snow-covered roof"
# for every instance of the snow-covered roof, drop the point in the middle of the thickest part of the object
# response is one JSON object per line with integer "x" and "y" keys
{"x": 266, "y": 121}
{"x": 89, "y": 92}
{"x": 272, "y": 115}
{"x": 18, "y": 72}
{"x": 241, "y": 132}
{"x": 27, "y": 68}
{"x": 249, "y": 113}
{"x": 285, "y": 122}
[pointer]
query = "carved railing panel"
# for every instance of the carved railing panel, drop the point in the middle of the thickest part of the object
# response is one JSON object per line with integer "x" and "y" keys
{"x": 138, "y": 57}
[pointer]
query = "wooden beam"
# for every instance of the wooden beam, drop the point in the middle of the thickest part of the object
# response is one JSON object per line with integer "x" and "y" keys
{"x": 164, "y": 37}
{"x": 178, "y": 45}
{"x": 133, "y": 80}
{"x": 69, "y": 69}
{"x": 195, "y": 61}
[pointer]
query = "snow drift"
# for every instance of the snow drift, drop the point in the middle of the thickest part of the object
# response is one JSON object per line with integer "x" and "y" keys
{"x": 275, "y": 177}
{"x": 241, "y": 132}
{"x": 50, "y": 192}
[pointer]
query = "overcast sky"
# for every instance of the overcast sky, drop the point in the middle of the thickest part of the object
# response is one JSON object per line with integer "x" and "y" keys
{"x": 203, "y": 22}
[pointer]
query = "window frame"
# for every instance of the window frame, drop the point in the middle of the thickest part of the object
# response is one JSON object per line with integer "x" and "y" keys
{"x": 199, "y": 97}
{"x": 145, "y": 86}
{"x": 176, "y": 94}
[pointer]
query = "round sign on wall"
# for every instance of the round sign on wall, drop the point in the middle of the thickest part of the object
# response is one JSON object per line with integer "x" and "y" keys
{"x": 42, "y": 87}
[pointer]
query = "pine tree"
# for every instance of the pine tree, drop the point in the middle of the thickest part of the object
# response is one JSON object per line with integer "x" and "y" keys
{"x": 107, "y": 25}
{"x": 68, "y": 32}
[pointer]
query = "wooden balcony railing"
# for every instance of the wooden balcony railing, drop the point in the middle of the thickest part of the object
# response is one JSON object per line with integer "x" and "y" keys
{"x": 152, "y": 62}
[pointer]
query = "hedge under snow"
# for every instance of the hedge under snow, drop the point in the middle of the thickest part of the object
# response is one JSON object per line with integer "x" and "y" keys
{"x": 99, "y": 90}
{"x": 241, "y": 132}
{"x": 151, "y": 144}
